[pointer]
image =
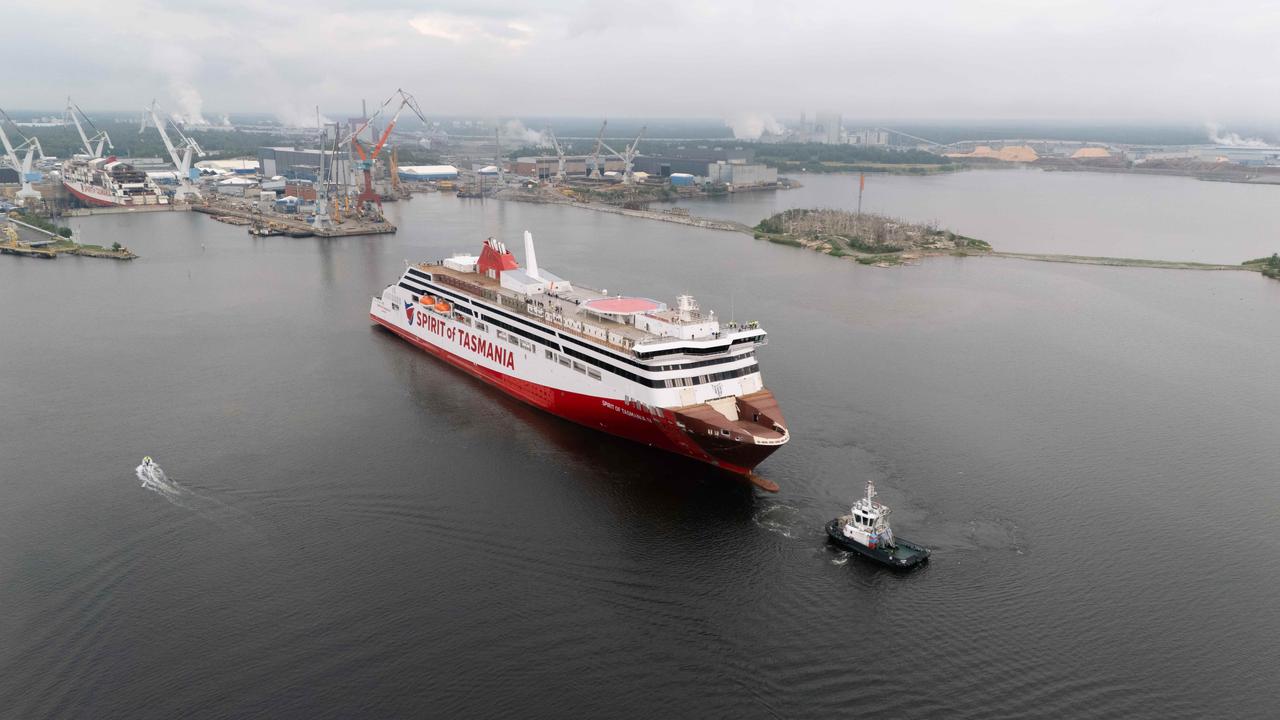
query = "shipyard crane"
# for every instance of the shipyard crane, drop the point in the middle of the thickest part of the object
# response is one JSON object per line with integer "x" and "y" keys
{"x": 186, "y": 176}
{"x": 560, "y": 174}
{"x": 100, "y": 137}
{"x": 627, "y": 157}
{"x": 497, "y": 157}
{"x": 594, "y": 169}
{"x": 367, "y": 196}
{"x": 29, "y": 145}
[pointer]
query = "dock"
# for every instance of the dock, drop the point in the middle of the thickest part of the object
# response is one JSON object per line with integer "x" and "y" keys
{"x": 125, "y": 210}
{"x": 349, "y": 228}
{"x": 7, "y": 248}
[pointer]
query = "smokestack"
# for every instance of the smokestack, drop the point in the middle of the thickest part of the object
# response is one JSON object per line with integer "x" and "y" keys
{"x": 530, "y": 259}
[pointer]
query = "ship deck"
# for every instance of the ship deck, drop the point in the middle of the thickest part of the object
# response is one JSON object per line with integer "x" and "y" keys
{"x": 567, "y": 304}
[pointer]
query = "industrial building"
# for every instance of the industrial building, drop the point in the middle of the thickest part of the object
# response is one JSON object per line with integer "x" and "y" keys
{"x": 742, "y": 176}
{"x": 828, "y": 129}
{"x": 692, "y": 161}
{"x": 1240, "y": 155}
{"x": 297, "y": 164}
{"x": 546, "y": 166}
{"x": 237, "y": 186}
{"x": 425, "y": 173}
{"x": 870, "y": 136}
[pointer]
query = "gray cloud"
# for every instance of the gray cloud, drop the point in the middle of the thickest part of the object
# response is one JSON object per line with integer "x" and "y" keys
{"x": 1070, "y": 59}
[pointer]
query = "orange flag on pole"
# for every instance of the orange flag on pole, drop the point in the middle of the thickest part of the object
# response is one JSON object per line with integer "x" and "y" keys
{"x": 862, "y": 182}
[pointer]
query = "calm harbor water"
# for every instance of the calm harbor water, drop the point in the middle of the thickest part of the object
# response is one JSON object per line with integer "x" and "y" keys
{"x": 1076, "y": 213}
{"x": 351, "y": 528}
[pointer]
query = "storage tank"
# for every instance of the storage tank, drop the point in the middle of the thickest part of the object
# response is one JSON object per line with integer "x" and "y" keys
{"x": 681, "y": 179}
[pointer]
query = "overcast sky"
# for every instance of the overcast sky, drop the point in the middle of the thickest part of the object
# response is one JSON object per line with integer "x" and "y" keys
{"x": 986, "y": 59}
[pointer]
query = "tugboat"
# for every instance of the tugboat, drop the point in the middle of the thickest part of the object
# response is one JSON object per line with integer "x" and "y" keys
{"x": 865, "y": 530}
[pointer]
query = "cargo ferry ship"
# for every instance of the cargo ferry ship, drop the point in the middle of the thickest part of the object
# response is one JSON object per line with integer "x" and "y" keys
{"x": 674, "y": 378}
{"x": 109, "y": 182}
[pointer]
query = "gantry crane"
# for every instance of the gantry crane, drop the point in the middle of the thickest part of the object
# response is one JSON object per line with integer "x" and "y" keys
{"x": 100, "y": 137}
{"x": 29, "y": 145}
{"x": 186, "y": 175}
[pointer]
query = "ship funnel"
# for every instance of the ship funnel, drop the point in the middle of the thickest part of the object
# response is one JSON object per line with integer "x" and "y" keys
{"x": 530, "y": 258}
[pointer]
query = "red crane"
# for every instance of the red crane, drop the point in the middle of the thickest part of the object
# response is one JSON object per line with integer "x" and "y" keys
{"x": 367, "y": 196}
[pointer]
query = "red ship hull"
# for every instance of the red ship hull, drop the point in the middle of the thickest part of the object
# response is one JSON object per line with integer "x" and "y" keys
{"x": 90, "y": 199}
{"x": 607, "y": 415}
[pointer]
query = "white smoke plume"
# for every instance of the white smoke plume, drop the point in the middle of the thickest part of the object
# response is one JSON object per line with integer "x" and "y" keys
{"x": 190, "y": 104}
{"x": 1218, "y": 136}
{"x": 296, "y": 115}
{"x": 515, "y": 130}
{"x": 177, "y": 65}
{"x": 750, "y": 126}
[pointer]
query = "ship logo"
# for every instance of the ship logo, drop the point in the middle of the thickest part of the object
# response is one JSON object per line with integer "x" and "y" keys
{"x": 408, "y": 309}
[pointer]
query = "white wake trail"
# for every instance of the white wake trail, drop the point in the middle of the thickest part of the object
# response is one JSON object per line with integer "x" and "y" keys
{"x": 153, "y": 478}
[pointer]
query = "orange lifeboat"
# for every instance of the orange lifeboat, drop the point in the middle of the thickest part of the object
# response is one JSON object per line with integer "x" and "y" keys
{"x": 443, "y": 307}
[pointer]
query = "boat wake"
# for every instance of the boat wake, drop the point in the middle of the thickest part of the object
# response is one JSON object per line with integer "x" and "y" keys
{"x": 154, "y": 479}
{"x": 781, "y": 519}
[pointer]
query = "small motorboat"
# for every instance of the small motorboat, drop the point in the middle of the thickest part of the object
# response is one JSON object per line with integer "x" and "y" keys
{"x": 148, "y": 463}
{"x": 865, "y": 530}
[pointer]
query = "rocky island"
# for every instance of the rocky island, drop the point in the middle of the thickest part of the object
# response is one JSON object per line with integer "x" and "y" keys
{"x": 869, "y": 238}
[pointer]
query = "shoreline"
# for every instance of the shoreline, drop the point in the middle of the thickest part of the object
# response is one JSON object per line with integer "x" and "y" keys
{"x": 732, "y": 226}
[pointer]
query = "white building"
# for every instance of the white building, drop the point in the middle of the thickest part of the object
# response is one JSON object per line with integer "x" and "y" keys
{"x": 741, "y": 176}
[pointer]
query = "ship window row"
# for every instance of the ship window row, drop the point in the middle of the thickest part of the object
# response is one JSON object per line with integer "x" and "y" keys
{"x": 699, "y": 351}
{"x": 564, "y": 360}
{"x": 518, "y": 342}
{"x": 667, "y": 383}
{"x": 418, "y": 273}
{"x": 518, "y": 331}
{"x": 703, "y": 363}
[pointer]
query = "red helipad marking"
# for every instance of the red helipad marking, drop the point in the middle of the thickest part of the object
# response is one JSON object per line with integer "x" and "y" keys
{"x": 623, "y": 305}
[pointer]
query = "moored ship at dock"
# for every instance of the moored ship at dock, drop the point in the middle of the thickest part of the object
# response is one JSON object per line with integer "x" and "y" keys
{"x": 674, "y": 378}
{"x": 109, "y": 182}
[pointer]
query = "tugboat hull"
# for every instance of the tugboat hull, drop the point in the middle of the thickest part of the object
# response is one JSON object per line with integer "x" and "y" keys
{"x": 903, "y": 556}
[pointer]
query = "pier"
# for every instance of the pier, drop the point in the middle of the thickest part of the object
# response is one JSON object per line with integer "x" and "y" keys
{"x": 346, "y": 229}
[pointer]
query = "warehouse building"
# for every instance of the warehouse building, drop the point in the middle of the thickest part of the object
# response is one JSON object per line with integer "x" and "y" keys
{"x": 546, "y": 166}
{"x": 297, "y": 164}
{"x": 427, "y": 173}
{"x": 693, "y": 161}
{"x": 741, "y": 176}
